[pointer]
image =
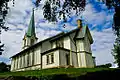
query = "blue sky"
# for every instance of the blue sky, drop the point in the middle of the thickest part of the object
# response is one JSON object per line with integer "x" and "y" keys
{"x": 96, "y": 16}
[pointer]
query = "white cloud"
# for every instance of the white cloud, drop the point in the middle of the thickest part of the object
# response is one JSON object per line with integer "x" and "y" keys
{"x": 12, "y": 41}
{"x": 103, "y": 45}
{"x": 92, "y": 16}
{"x": 17, "y": 12}
{"x": 42, "y": 34}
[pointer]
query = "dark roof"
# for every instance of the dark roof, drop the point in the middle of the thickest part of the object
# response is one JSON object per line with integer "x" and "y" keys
{"x": 52, "y": 38}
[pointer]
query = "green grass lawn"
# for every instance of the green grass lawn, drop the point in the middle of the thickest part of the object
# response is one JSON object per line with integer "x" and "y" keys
{"x": 72, "y": 72}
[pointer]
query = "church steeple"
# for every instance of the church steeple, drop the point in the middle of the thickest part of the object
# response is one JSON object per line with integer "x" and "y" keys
{"x": 30, "y": 37}
{"x": 31, "y": 27}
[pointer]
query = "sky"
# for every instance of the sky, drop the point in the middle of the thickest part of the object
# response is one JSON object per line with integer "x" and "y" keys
{"x": 96, "y": 15}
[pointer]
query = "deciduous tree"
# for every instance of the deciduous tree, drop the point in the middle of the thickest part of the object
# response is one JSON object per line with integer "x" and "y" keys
{"x": 3, "y": 12}
{"x": 4, "y": 67}
{"x": 61, "y": 9}
{"x": 115, "y": 4}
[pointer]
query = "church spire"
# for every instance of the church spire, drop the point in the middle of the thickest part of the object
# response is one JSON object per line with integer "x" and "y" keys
{"x": 31, "y": 27}
{"x": 30, "y": 36}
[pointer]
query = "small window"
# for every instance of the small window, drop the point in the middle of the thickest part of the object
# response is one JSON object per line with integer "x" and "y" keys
{"x": 50, "y": 58}
{"x": 47, "y": 59}
{"x": 59, "y": 43}
{"x": 32, "y": 41}
{"x": 14, "y": 63}
{"x": 27, "y": 59}
{"x": 24, "y": 62}
{"x": 20, "y": 61}
{"x": 33, "y": 57}
{"x": 68, "y": 59}
{"x": 17, "y": 63}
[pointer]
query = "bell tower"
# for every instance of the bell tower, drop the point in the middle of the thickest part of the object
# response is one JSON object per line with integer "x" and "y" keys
{"x": 30, "y": 36}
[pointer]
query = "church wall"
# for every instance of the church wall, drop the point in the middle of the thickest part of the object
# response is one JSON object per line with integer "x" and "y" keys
{"x": 89, "y": 60}
{"x": 22, "y": 57}
{"x": 37, "y": 55}
{"x": 12, "y": 64}
{"x": 23, "y": 43}
{"x": 73, "y": 48}
{"x": 80, "y": 34}
{"x": 37, "y": 67}
{"x": 57, "y": 43}
{"x": 62, "y": 56}
{"x": 27, "y": 41}
{"x": 72, "y": 42}
{"x": 18, "y": 62}
{"x": 28, "y": 58}
{"x": 87, "y": 44}
{"x": 25, "y": 61}
{"x": 63, "y": 59}
{"x": 53, "y": 44}
{"x": 31, "y": 56}
{"x": 25, "y": 64}
{"x": 67, "y": 42}
{"x": 80, "y": 45}
{"x": 79, "y": 60}
{"x": 85, "y": 60}
{"x": 46, "y": 46}
{"x": 20, "y": 69}
{"x": 51, "y": 65}
{"x": 15, "y": 64}
{"x": 82, "y": 59}
{"x": 74, "y": 59}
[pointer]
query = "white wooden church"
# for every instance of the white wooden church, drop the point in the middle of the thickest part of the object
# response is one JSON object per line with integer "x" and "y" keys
{"x": 62, "y": 50}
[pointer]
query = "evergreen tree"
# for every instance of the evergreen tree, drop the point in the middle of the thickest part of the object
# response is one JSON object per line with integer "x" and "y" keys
{"x": 3, "y": 12}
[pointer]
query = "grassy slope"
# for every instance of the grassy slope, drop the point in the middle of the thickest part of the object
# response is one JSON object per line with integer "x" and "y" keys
{"x": 72, "y": 72}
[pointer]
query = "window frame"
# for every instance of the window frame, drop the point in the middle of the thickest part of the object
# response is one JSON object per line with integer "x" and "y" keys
{"x": 50, "y": 58}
